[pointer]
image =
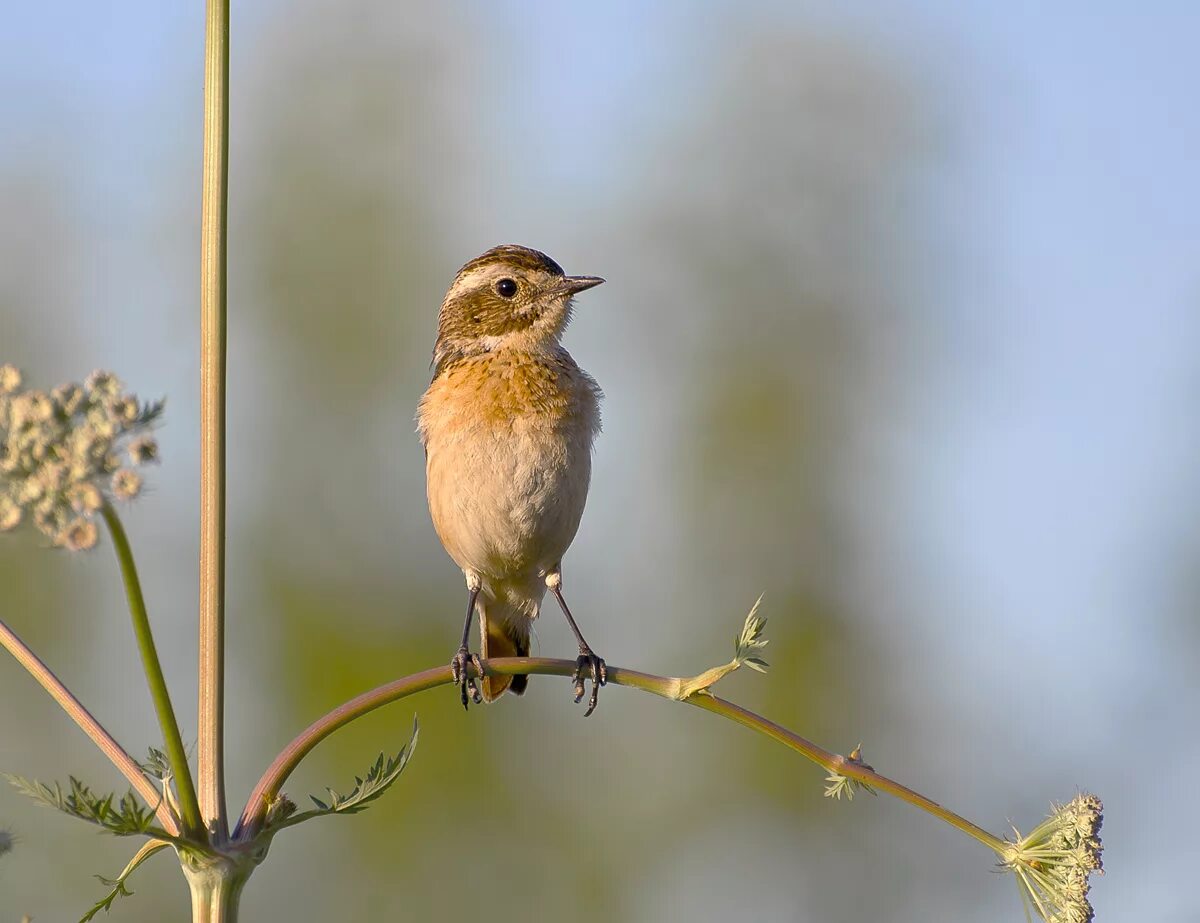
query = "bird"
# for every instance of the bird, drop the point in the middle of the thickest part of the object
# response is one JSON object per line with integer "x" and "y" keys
{"x": 508, "y": 424}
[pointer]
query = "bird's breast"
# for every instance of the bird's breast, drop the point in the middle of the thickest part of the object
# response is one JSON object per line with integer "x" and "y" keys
{"x": 508, "y": 442}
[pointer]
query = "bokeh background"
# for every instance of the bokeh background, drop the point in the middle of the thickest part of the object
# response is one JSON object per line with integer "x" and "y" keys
{"x": 902, "y": 329}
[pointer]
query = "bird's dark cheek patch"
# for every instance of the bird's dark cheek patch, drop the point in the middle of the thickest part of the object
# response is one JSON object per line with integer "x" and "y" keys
{"x": 484, "y": 316}
{"x": 509, "y": 322}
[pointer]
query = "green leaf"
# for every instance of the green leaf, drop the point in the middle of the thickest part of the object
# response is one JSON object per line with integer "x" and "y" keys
{"x": 118, "y": 884}
{"x": 157, "y": 765}
{"x": 837, "y": 784}
{"x": 748, "y": 645}
{"x": 378, "y": 779}
{"x": 150, "y": 412}
{"x": 127, "y": 817}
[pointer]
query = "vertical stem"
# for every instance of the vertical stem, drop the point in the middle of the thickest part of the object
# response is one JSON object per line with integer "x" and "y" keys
{"x": 212, "y": 417}
{"x": 216, "y": 884}
{"x": 176, "y": 754}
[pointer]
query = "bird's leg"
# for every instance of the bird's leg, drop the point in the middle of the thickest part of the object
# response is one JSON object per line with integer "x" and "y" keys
{"x": 587, "y": 660}
{"x": 463, "y": 657}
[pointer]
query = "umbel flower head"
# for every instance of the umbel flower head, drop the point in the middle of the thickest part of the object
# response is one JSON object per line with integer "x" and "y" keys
{"x": 1055, "y": 862}
{"x": 63, "y": 452}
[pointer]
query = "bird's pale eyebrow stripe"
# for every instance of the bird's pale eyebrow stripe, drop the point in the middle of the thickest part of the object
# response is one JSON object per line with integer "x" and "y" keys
{"x": 468, "y": 279}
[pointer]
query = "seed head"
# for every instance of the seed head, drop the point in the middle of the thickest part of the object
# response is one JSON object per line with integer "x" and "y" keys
{"x": 63, "y": 451}
{"x": 10, "y": 513}
{"x": 67, "y": 397}
{"x": 1055, "y": 862}
{"x": 85, "y": 497}
{"x": 103, "y": 384}
{"x": 143, "y": 450}
{"x": 126, "y": 484}
{"x": 32, "y": 490}
{"x": 10, "y": 379}
{"x": 50, "y": 518}
{"x": 125, "y": 409}
{"x": 79, "y": 535}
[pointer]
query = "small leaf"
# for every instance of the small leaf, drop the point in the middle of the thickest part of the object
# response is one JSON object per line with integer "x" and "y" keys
{"x": 838, "y": 784}
{"x": 157, "y": 765}
{"x": 118, "y": 884}
{"x": 279, "y": 808}
{"x": 748, "y": 645}
{"x": 129, "y": 818}
{"x": 747, "y": 648}
{"x": 150, "y": 412}
{"x": 378, "y": 779}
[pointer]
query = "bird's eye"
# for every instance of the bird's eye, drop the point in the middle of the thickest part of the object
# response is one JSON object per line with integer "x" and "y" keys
{"x": 506, "y": 288}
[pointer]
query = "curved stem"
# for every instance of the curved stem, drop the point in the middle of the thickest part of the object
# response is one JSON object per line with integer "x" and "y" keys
{"x": 282, "y": 766}
{"x": 116, "y": 754}
{"x": 213, "y": 201}
{"x": 272, "y": 780}
{"x": 189, "y": 808}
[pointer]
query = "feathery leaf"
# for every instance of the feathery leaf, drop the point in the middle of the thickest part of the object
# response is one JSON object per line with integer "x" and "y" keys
{"x": 367, "y": 788}
{"x": 118, "y": 884}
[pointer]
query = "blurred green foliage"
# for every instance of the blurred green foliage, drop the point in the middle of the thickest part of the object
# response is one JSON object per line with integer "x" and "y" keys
{"x": 762, "y": 298}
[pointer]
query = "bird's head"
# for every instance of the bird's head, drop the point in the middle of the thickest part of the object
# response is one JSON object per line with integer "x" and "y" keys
{"x": 508, "y": 296}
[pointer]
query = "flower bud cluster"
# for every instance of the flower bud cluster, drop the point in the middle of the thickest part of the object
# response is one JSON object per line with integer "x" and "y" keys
{"x": 65, "y": 452}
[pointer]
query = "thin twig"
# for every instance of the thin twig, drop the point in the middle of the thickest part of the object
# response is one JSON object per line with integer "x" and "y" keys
{"x": 214, "y": 199}
{"x": 116, "y": 754}
{"x": 841, "y": 765}
{"x": 272, "y": 780}
{"x": 189, "y": 809}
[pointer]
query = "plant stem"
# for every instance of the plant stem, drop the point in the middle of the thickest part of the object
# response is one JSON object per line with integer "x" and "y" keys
{"x": 216, "y": 883}
{"x": 89, "y": 725}
{"x": 189, "y": 809}
{"x": 214, "y": 198}
{"x": 841, "y": 765}
{"x": 272, "y": 780}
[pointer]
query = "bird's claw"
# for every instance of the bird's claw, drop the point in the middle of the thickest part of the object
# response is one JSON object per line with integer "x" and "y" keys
{"x": 597, "y": 671}
{"x": 463, "y": 678}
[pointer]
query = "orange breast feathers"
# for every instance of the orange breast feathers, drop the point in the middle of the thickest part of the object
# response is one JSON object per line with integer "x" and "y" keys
{"x": 495, "y": 390}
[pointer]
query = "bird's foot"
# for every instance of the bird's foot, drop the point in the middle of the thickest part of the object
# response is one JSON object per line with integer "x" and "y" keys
{"x": 596, "y": 669}
{"x": 459, "y": 669}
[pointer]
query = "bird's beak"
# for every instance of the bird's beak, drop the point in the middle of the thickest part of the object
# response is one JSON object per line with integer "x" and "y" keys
{"x": 573, "y": 284}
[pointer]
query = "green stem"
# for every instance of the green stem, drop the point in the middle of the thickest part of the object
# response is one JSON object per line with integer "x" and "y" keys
{"x": 108, "y": 745}
{"x": 188, "y": 806}
{"x": 213, "y": 251}
{"x": 834, "y": 762}
{"x": 216, "y": 883}
{"x": 667, "y": 687}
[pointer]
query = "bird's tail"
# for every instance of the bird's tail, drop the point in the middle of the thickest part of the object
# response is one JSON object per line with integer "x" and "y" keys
{"x": 504, "y": 632}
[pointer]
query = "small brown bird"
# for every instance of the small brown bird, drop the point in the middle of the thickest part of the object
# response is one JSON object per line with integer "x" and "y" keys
{"x": 508, "y": 424}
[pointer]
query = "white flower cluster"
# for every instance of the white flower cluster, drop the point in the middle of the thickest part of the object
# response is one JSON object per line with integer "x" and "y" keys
{"x": 64, "y": 452}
